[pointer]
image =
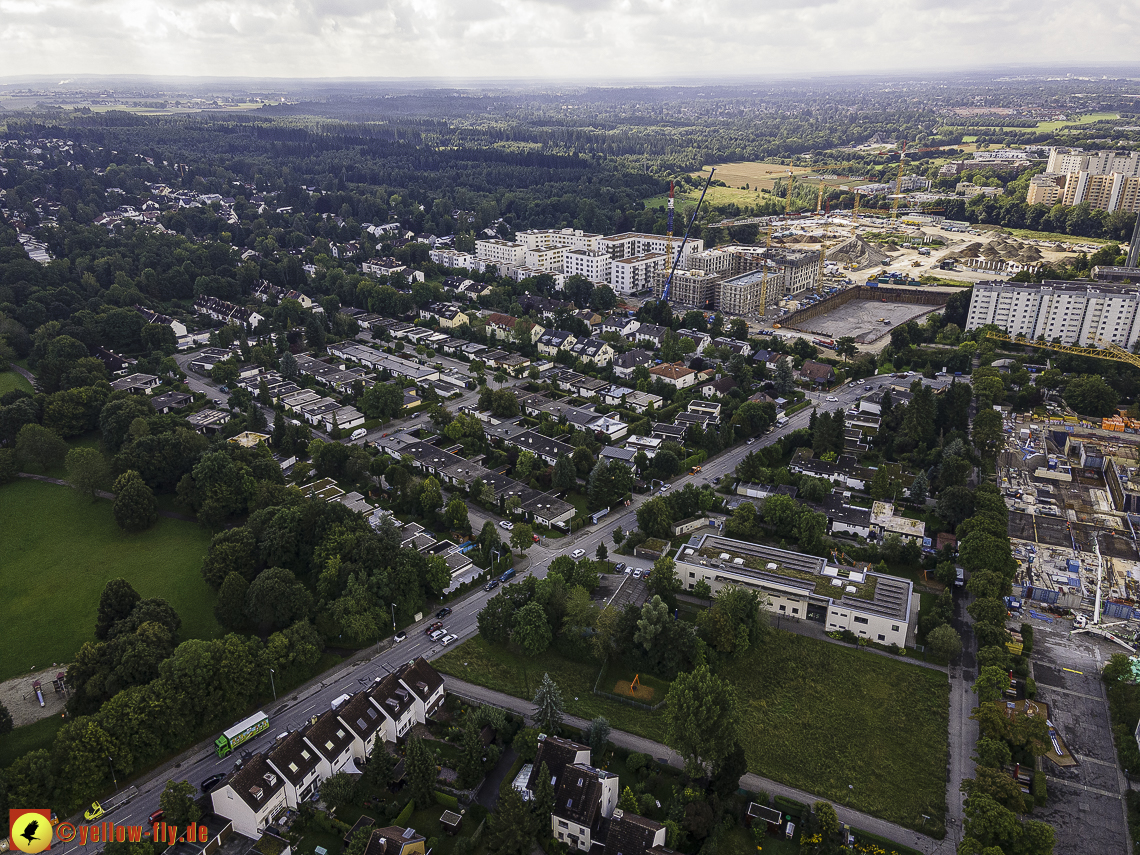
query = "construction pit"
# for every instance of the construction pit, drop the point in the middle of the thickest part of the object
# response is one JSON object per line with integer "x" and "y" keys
{"x": 865, "y": 320}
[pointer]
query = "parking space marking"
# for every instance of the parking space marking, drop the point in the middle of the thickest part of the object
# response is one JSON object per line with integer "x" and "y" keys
{"x": 1084, "y": 787}
{"x": 1071, "y": 692}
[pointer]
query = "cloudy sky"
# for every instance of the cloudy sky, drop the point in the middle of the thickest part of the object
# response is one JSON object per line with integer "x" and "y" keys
{"x": 553, "y": 38}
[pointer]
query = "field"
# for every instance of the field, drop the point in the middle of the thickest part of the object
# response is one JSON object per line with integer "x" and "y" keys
{"x": 481, "y": 663}
{"x": 1046, "y": 127}
{"x": 10, "y": 380}
{"x": 860, "y": 318}
{"x": 1053, "y": 236}
{"x": 753, "y": 173}
{"x": 816, "y": 715}
{"x": 61, "y": 549}
{"x": 758, "y": 176}
{"x": 822, "y": 717}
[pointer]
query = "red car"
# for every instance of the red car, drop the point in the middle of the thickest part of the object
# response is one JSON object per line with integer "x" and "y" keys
{"x": 156, "y": 816}
{"x": 433, "y": 627}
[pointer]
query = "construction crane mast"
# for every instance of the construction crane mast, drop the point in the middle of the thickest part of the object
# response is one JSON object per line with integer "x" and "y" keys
{"x": 685, "y": 240}
{"x": 1111, "y": 352}
{"x": 669, "y": 225}
{"x": 898, "y": 183}
{"x": 819, "y": 201}
{"x": 764, "y": 278}
{"x": 788, "y": 200}
{"x": 855, "y": 216}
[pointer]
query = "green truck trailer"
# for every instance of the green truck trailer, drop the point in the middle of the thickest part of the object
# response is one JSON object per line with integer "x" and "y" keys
{"x": 241, "y": 732}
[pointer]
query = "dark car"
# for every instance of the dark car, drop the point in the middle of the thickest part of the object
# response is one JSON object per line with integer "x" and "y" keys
{"x": 212, "y": 782}
{"x": 442, "y": 613}
{"x": 490, "y": 586}
{"x": 433, "y": 627}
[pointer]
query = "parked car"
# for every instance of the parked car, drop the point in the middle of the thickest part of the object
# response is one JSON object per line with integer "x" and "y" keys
{"x": 618, "y": 568}
{"x": 507, "y": 524}
{"x": 637, "y": 573}
{"x": 212, "y": 782}
{"x": 399, "y": 636}
{"x": 447, "y": 639}
{"x": 577, "y": 553}
{"x": 437, "y": 635}
{"x": 751, "y": 440}
{"x": 490, "y": 586}
{"x": 94, "y": 812}
{"x": 442, "y": 613}
{"x": 433, "y": 627}
{"x": 867, "y": 388}
{"x": 831, "y": 399}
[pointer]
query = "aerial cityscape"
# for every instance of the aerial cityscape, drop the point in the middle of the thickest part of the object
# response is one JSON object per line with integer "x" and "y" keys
{"x": 525, "y": 430}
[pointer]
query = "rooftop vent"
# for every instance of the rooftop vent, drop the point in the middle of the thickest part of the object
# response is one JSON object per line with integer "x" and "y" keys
{"x": 772, "y": 566}
{"x": 850, "y": 589}
{"x": 737, "y": 560}
{"x": 724, "y": 556}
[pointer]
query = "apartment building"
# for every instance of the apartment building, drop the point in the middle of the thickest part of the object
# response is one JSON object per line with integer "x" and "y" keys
{"x": 635, "y": 273}
{"x": 871, "y": 605}
{"x": 629, "y": 244}
{"x": 1045, "y": 189}
{"x": 501, "y": 252}
{"x": 1066, "y": 160}
{"x": 1081, "y": 313}
{"x": 592, "y": 265}
{"x": 688, "y": 288}
{"x": 535, "y": 239}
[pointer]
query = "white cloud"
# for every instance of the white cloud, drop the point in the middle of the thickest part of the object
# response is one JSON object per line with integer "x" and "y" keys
{"x": 578, "y": 39}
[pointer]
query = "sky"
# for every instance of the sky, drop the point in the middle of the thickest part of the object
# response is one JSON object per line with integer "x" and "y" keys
{"x": 560, "y": 39}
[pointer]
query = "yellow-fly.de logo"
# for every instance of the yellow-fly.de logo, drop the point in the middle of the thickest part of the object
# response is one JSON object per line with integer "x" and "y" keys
{"x": 31, "y": 829}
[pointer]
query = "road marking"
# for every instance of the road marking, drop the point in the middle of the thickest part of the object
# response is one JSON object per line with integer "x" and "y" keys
{"x": 1084, "y": 787}
{"x": 1071, "y": 671}
{"x": 1071, "y": 692}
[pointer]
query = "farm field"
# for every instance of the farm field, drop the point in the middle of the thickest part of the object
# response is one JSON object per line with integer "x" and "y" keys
{"x": 61, "y": 549}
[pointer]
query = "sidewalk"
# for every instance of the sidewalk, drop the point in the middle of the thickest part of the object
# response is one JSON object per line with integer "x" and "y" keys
{"x": 664, "y": 754}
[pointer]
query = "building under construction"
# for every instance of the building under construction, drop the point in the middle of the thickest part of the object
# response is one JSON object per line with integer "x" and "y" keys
{"x": 731, "y": 279}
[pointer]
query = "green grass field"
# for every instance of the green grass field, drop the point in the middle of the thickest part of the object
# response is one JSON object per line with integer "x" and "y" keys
{"x": 61, "y": 549}
{"x": 504, "y": 671}
{"x": 30, "y": 737}
{"x": 820, "y": 717}
{"x": 10, "y": 380}
{"x": 1027, "y": 233}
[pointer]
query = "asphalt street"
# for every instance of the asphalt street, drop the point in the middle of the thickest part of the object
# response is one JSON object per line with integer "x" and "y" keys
{"x": 294, "y": 710}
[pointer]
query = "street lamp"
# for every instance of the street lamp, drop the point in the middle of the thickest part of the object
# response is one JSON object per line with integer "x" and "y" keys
{"x": 393, "y": 617}
{"x": 111, "y": 763}
{"x": 272, "y": 684}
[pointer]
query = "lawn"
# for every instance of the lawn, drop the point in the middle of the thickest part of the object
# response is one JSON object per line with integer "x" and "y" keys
{"x": 40, "y": 734}
{"x": 1054, "y": 236}
{"x": 61, "y": 549}
{"x": 478, "y": 662}
{"x": 821, "y": 717}
{"x": 10, "y": 380}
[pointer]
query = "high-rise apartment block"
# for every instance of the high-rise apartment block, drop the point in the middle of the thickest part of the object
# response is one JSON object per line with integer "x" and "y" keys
{"x": 1080, "y": 313}
{"x": 1105, "y": 180}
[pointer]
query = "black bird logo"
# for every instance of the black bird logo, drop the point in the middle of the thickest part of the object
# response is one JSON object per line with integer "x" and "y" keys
{"x": 29, "y": 832}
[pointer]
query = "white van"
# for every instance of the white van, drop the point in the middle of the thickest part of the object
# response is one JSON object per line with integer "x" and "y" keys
{"x": 359, "y": 433}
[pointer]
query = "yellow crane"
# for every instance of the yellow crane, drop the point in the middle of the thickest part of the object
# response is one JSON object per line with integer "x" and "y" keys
{"x": 898, "y": 183}
{"x": 855, "y": 216}
{"x": 788, "y": 201}
{"x": 1109, "y": 351}
{"x": 764, "y": 278}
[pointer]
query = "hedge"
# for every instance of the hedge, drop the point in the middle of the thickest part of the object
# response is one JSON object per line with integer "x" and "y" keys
{"x": 447, "y": 800}
{"x": 1040, "y": 794}
{"x": 406, "y": 814}
{"x": 790, "y": 806}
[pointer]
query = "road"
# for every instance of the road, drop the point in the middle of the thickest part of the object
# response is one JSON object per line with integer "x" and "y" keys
{"x": 292, "y": 711}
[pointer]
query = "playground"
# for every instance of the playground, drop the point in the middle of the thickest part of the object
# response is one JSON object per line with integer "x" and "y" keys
{"x": 643, "y": 688}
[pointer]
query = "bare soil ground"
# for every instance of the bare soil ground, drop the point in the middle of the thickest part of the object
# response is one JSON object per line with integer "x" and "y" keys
{"x": 17, "y": 695}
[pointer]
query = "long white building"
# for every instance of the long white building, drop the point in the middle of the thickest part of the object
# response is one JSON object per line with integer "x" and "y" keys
{"x": 630, "y": 244}
{"x": 1066, "y": 160}
{"x": 1080, "y": 313}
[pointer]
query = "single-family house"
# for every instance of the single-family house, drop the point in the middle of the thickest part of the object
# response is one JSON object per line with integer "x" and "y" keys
{"x": 676, "y": 374}
{"x": 585, "y": 798}
{"x": 552, "y": 341}
{"x": 594, "y": 351}
{"x": 817, "y": 373}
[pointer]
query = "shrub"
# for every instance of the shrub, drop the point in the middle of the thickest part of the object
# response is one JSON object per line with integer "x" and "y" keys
{"x": 447, "y": 800}
{"x": 636, "y": 762}
{"x": 1030, "y": 688}
{"x": 1039, "y": 792}
{"x": 1027, "y": 638}
{"x": 403, "y": 816}
{"x": 848, "y": 636}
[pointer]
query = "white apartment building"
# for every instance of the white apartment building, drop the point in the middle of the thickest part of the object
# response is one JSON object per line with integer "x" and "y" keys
{"x": 629, "y": 244}
{"x": 547, "y": 258}
{"x": 564, "y": 238}
{"x": 635, "y": 273}
{"x": 452, "y": 258}
{"x": 500, "y": 252}
{"x": 595, "y": 266}
{"x": 1067, "y": 160}
{"x": 1081, "y": 313}
{"x": 871, "y": 605}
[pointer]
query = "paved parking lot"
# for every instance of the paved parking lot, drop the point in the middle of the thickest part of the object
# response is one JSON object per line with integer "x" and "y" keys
{"x": 621, "y": 590}
{"x": 1085, "y": 805}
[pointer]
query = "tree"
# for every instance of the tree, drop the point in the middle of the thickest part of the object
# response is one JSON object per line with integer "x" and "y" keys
{"x": 601, "y": 553}
{"x": 987, "y": 432}
{"x": 597, "y": 735}
{"x": 511, "y": 829}
{"x": 276, "y": 599}
{"x": 651, "y": 625}
{"x": 990, "y": 685}
{"x": 701, "y": 719}
{"x": 135, "y": 507}
{"x": 919, "y": 488}
{"x": 457, "y": 518}
{"x": 531, "y": 629}
{"x": 421, "y": 771}
{"x": 339, "y": 790}
{"x": 40, "y": 446}
{"x": 784, "y": 382}
{"x": 565, "y": 475}
{"x": 945, "y": 642}
{"x": 618, "y": 536}
{"x": 628, "y": 801}
{"x": 548, "y": 707}
{"x": 1090, "y": 395}
{"x": 229, "y": 608}
{"x": 178, "y": 805}
{"x": 288, "y": 365}
{"x": 701, "y": 590}
{"x": 663, "y": 581}
{"x": 87, "y": 471}
{"x": 116, "y": 603}
{"x": 6, "y": 723}
{"x": 522, "y": 537}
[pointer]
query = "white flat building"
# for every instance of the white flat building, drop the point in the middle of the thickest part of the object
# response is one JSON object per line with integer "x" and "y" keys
{"x": 564, "y": 238}
{"x": 500, "y": 252}
{"x": 635, "y": 273}
{"x": 594, "y": 266}
{"x": 1080, "y": 313}
{"x": 630, "y": 244}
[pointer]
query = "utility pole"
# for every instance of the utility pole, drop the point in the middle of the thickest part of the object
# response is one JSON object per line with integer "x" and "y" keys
{"x": 273, "y": 684}
{"x": 393, "y": 617}
{"x": 111, "y": 763}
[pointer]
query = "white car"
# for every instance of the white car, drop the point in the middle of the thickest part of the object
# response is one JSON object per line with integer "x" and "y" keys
{"x": 507, "y": 524}
{"x": 577, "y": 553}
{"x": 831, "y": 399}
{"x": 447, "y": 639}
{"x": 637, "y": 573}
{"x": 437, "y": 635}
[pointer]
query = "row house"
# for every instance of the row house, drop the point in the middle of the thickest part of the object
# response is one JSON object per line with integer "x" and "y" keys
{"x": 593, "y": 351}
{"x": 552, "y": 341}
{"x": 625, "y": 364}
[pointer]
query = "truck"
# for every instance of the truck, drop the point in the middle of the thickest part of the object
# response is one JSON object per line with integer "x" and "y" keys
{"x": 241, "y": 732}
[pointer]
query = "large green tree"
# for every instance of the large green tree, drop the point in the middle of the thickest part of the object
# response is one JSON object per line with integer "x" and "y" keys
{"x": 135, "y": 506}
{"x": 87, "y": 471}
{"x": 178, "y": 805}
{"x": 702, "y": 719}
{"x": 420, "y": 768}
{"x": 548, "y": 705}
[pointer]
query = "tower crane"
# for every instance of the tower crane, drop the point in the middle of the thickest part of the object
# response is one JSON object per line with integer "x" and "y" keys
{"x": 1110, "y": 351}
{"x": 685, "y": 240}
{"x": 898, "y": 182}
{"x": 819, "y": 201}
{"x": 669, "y": 225}
{"x": 764, "y": 278}
{"x": 788, "y": 201}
